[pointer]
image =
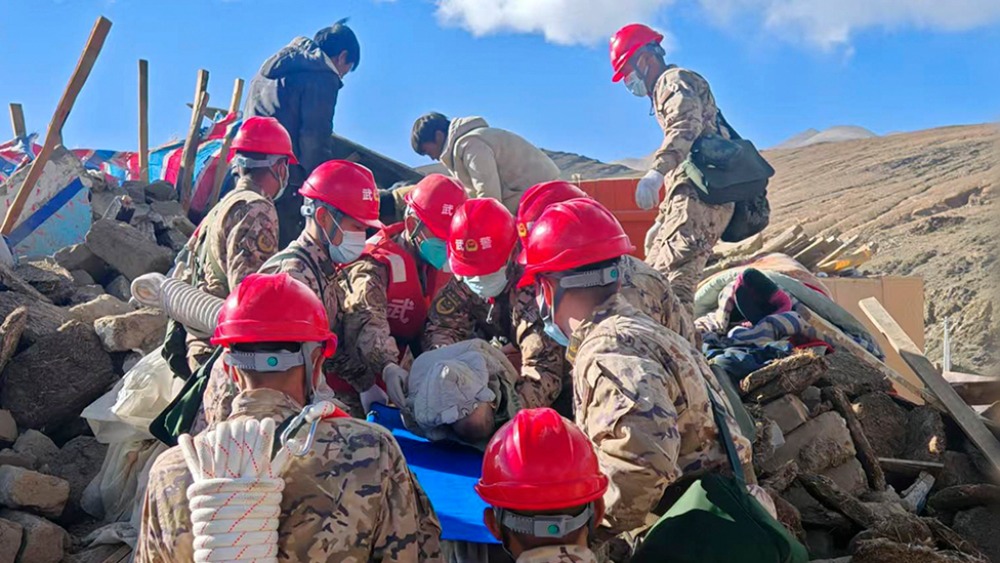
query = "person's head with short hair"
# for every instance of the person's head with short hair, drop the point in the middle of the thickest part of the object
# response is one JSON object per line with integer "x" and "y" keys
{"x": 276, "y": 335}
{"x": 543, "y": 483}
{"x": 430, "y": 135}
{"x": 478, "y": 426}
{"x": 573, "y": 258}
{"x": 262, "y": 151}
{"x": 339, "y": 43}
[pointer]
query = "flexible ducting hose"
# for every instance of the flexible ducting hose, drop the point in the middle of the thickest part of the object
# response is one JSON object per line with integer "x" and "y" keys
{"x": 183, "y": 303}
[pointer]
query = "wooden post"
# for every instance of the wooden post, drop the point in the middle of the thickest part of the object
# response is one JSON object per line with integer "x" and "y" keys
{"x": 53, "y": 135}
{"x": 143, "y": 121}
{"x": 223, "y": 165}
{"x": 17, "y": 120}
{"x": 963, "y": 414}
{"x": 185, "y": 176}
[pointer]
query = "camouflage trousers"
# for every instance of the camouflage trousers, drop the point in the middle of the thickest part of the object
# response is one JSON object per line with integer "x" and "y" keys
{"x": 689, "y": 229}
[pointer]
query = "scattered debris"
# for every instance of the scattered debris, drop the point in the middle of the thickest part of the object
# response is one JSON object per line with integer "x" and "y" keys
{"x": 138, "y": 330}
{"x": 33, "y": 491}
{"x": 102, "y": 306}
{"x": 127, "y": 250}
{"x": 49, "y": 278}
{"x": 43, "y": 541}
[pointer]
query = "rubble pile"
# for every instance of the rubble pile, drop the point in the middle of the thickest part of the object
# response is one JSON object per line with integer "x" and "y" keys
{"x": 861, "y": 476}
{"x": 68, "y": 333}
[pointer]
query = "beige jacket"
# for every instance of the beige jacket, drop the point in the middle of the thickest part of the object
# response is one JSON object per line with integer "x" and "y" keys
{"x": 493, "y": 162}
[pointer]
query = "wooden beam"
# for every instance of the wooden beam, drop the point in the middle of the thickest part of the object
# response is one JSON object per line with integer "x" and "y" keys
{"x": 143, "y": 121}
{"x": 966, "y": 418}
{"x": 17, "y": 120}
{"x": 778, "y": 243}
{"x": 53, "y": 136}
{"x": 223, "y": 164}
{"x": 974, "y": 389}
{"x": 185, "y": 176}
{"x": 839, "y": 251}
{"x": 909, "y": 468}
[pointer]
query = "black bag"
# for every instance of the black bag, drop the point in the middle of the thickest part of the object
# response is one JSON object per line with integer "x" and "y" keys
{"x": 726, "y": 170}
{"x": 749, "y": 218}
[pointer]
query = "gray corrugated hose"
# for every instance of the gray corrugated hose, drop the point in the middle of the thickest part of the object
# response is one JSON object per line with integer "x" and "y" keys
{"x": 191, "y": 307}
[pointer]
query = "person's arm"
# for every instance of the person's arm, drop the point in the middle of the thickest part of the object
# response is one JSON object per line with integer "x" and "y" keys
{"x": 251, "y": 233}
{"x": 449, "y": 319}
{"x": 318, "y": 102}
{"x": 409, "y": 531}
{"x": 481, "y": 164}
{"x": 366, "y": 323}
{"x": 543, "y": 361}
{"x": 631, "y": 419}
{"x": 164, "y": 536}
{"x": 680, "y": 108}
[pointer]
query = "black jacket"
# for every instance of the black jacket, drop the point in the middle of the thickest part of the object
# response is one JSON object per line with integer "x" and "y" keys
{"x": 298, "y": 87}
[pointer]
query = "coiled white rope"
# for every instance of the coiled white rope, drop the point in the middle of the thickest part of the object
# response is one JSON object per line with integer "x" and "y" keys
{"x": 235, "y": 499}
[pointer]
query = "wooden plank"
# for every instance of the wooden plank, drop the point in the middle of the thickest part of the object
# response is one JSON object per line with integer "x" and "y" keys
{"x": 778, "y": 243}
{"x": 185, "y": 176}
{"x": 53, "y": 136}
{"x": 967, "y": 419}
{"x": 17, "y": 120}
{"x": 844, "y": 245}
{"x": 222, "y": 166}
{"x": 909, "y": 468}
{"x": 143, "y": 121}
{"x": 974, "y": 389}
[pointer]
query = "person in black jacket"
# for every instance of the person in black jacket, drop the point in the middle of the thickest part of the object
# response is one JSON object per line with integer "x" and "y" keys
{"x": 298, "y": 86}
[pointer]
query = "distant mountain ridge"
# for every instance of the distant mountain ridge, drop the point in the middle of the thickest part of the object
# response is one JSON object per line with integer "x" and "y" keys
{"x": 836, "y": 134}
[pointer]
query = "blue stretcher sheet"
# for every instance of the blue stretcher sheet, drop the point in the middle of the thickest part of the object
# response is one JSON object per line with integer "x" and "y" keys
{"x": 447, "y": 473}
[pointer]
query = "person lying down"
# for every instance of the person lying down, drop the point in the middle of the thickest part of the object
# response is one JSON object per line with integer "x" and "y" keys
{"x": 463, "y": 392}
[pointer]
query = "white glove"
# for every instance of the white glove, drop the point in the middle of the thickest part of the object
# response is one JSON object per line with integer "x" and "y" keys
{"x": 373, "y": 395}
{"x": 647, "y": 193}
{"x": 395, "y": 383}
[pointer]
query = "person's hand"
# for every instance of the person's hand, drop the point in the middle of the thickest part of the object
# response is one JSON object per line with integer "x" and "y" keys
{"x": 647, "y": 193}
{"x": 395, "y": 379}
{"x": 373, "y": 395}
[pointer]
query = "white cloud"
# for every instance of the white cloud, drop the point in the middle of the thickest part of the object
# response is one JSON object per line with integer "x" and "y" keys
{"x": 565, "y": 22}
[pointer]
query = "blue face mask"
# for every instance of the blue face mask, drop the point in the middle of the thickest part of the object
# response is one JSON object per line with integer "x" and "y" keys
{"x": 434, "y": 251}
{"x": 551, "y": 329}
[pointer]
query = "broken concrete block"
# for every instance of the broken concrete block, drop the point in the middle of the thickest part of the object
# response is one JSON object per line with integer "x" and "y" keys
{"x": 161, "y": 191}
{"x": 925, "y": 437}
{"x": 119, "y": 287}
{"x": 78, "y": 462}
{"x": 171, "y": 208}
{"x": 139, "y": 330}
{"x": 849, "y": 476}
{"x": 38, "y": 389}
{"x": 821, "y": 443}
{"x": 852, "y": 375}
{"x": 135, "y": 190}
{"x": 87, "y": 293}
{"x": 25, "y": 489}
{"x": 80, "y": 257}
{"x": 44, "y": 542}
{"x": 884, "y": 423}
{"x": 103, "y": 306}
{"x": 127, "y": 250}
{"x": 10, "y": 540}
{"x": 8, "y": 428}
{"x": 10, "y": 457}
{"x": 811, "y": 397}
{"x": 37, "y": 445}
{"x": 44, "y": 319}
{"x": 82, "y": 278}
{"x": 788, "y": 411}
{"x": 49, "y": 278}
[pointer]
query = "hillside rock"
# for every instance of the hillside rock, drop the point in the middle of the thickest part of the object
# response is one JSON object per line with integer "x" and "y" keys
{"x": 52, "y": 381}
{"x": 103, "y": 306}
{"x": 49, "y": 278}
{"x": 10, "y": 540}
{"x": 44, "y": 542}
{"x": 127, "y": 250}
{"x": 138, "y": 330}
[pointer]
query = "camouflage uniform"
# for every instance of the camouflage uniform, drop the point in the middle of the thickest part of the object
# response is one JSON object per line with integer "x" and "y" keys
{"x": 650, "y": 292}
{"x": 352, "y": 498}
{"x": 458, "y": 314}
{"x": 233, "y": 241}
{"x": 558, "y": 554}
{"x": 686, "y": 110}
{"x": 640, "y": 395}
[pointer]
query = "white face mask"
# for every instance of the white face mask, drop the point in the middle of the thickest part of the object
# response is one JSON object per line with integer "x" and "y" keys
{"x": 636, "y": 85}
{"x": 349, "y": 249}
{"x": 488, "y": 286}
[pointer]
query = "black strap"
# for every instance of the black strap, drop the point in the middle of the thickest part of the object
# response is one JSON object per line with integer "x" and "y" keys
{"x": 725, "y": 436}
{"x": 295, "y": 252}
{"x": 720, "y": 122}
{"x": 278, "y": 431}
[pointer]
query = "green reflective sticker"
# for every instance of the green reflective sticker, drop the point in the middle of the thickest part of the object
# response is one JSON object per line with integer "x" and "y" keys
{"x": 553, "y": 529}
{"x": 272, "y": 361}
{"x": 614, "y": 274}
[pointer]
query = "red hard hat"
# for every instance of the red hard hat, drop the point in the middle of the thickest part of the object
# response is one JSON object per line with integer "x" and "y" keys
{"x": 540, "y": 461}
{"x": 626, "y": 41}
{"x": 535, "y": 199}
{"x": 571, "y": 234}
{"x": 435, "y": 199}
{"x": 482, "y": 238}
{"x": 264, "y": 135}
{"x": 273, "y": 308}
{"x": 347, "y": 187}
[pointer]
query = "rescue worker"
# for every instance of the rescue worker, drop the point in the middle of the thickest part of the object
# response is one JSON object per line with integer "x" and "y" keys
{"x": 642, "y": 286}
{"x": 299, "y": 86}
{"x": 490, "y": 162}
{"x": 686, "y": 229}
{"x": 240, "y": 233}
{"x": 340, "y": 204}
{"x": 483, "y": 301}
{"x": 640, "y": 390}
{"x": 276, "y": 335}
{"x": 388, "y": 292}
{"x": 544, "y": 486}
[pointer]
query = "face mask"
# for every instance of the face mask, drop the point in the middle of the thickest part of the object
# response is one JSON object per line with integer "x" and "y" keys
{"x": 551, "y": 328}
{"x": 488, "y": 286}
{"x": 636, "y": 85}
{"x": 349, "y": 249}
{"x": 283, "y": 179}
{"x": 434, "y": 251}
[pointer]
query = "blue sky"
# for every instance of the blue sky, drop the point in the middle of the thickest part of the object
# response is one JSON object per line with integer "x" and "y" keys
{"x": 776, "y": 68}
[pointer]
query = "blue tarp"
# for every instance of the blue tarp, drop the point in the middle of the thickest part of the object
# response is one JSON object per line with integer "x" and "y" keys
{"x": 447, "y": 473}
